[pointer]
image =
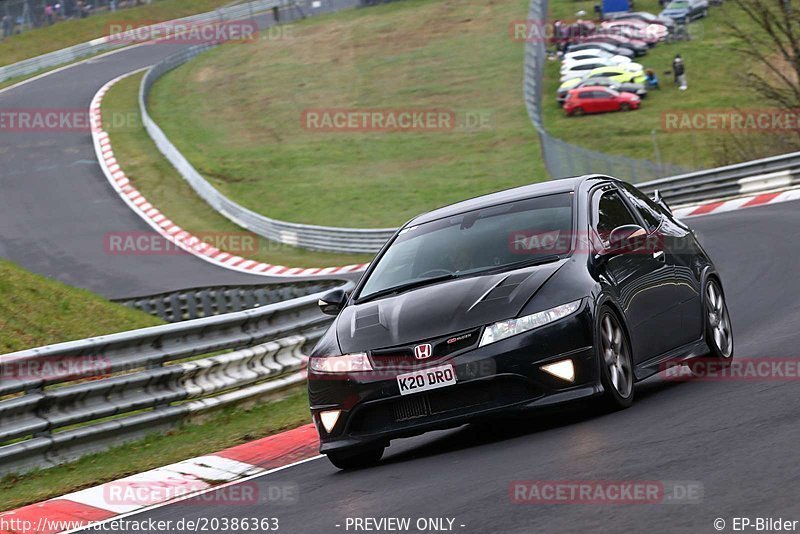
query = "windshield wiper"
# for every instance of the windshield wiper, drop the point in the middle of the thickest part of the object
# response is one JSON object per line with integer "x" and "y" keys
{"x": 405, "y": 287}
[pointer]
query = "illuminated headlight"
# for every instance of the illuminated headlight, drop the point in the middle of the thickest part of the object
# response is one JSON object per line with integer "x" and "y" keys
{"x": 347, "y": 363}
{"x": 512, "y": 327}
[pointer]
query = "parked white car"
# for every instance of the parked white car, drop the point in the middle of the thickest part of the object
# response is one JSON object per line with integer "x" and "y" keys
{"x": 607, "y": 61}
{"x": 593, "y": 53}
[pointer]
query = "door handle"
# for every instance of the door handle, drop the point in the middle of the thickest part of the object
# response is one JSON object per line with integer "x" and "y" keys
{"x": 658, "y": 255}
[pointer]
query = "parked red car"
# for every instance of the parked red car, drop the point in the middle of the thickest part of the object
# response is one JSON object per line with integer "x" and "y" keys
{"x": 598, "y": 99}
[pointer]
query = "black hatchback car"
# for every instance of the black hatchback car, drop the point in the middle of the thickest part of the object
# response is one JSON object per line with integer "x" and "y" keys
{"x": 526, "y": 298}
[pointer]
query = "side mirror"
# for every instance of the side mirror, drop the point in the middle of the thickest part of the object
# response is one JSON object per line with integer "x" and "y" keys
{"x": 332, "y": 302}
{"x": 658, "y": 199}
{"x": 624, "y": 237}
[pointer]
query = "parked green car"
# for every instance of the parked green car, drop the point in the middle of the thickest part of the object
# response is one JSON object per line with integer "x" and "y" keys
{"x": 620, "y": 73}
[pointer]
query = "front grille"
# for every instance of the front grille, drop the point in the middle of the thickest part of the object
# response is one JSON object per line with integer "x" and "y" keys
{"x": 411, "y": 408}
{"x": 439, "y": 404}
{"x": 443, "y": 346}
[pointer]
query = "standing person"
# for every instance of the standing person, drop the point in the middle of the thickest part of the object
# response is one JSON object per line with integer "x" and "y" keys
{"x": 679, "y": 70}
{"x": 6, "y": 25}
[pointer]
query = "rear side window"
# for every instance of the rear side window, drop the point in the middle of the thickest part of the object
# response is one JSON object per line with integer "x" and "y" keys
{"x": 611, "y": 213}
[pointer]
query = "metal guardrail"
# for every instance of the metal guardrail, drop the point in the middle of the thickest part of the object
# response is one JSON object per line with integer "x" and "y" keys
{"x": 63, "y": 401}
{"x": 102, "y": 44}
{"x": 188, "y": 304}
{"x": 777, "y": 172}
{"x": 325, "y": 238}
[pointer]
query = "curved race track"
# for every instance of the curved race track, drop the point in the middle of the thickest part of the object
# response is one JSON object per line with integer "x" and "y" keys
{"x": 56, "y": 205}
{"x": 738, "y": 439}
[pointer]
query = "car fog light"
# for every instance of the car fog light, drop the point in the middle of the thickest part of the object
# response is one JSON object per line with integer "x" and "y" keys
{"x": 563, "y": 370}
{"x": 329, "y": 419}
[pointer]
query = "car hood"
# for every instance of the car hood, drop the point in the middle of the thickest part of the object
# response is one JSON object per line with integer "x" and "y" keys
{"x": 439, "y": 309}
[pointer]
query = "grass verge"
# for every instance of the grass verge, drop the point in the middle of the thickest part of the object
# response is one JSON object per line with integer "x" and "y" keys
{"x": 225, "y": 429}
{"x": 75, "y": 31}
{"x": 713, "y": 69}
{"x": 36, "y": 311}
{"x": 235, "y": 112}
{"x": 161, "y": 184}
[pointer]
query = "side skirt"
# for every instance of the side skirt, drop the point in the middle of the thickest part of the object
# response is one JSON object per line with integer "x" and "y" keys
{"x": 695, "y": 349}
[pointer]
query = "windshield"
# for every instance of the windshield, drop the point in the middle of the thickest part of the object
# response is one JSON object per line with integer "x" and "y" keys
{"x": 678, "y": 5}
{"x": 492, "y": 238}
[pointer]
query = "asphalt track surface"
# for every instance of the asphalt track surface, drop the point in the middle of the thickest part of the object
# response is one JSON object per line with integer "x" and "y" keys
{"x": 739, "y": 440}
{"x": 56, "y": 206}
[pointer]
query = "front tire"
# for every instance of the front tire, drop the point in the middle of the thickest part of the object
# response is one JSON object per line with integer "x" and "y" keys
{"x": 625, "y": 106}
{"x": 616, "y": 362}
{"x": 356, "y": 459}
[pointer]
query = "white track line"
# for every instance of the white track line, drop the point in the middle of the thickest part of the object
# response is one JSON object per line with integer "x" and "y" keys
{"x": 96, "y": 524}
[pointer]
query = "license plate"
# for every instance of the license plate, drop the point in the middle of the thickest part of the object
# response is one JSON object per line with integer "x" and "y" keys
{"x": 427, "y": 379}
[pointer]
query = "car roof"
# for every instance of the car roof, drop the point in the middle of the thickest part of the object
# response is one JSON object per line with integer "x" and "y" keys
{"x": 590, "y": 87}
{"x": 596, "y": 81}
{"x": 562, "y": 185}
{"x": 588, "y": 50}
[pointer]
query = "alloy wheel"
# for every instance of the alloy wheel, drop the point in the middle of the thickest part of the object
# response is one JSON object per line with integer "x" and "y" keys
{"x": 718, "y": 320}
{"x": 616, "y": 355}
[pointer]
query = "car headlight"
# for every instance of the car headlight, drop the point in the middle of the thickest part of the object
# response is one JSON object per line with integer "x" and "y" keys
{"x": 512, "y": 327}
{"x": 347, "y": 363}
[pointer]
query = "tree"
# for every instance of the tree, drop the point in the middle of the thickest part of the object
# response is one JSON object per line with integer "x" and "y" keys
{"x": 769, "y": 35}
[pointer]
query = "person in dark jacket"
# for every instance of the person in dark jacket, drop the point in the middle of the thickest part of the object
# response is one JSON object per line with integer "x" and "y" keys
{"x": 679, "y": 71}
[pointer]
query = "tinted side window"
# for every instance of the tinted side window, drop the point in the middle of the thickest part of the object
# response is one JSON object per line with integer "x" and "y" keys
{"x": 649, "y": 210}
{"x": 611, "y": 213}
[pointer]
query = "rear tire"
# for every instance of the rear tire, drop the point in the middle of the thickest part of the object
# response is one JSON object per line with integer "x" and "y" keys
{"x": 718, "y": 331}
{"x": 577, "y": 112}
{"x": 616, "y": 361}
{"x": 356, "y": 459}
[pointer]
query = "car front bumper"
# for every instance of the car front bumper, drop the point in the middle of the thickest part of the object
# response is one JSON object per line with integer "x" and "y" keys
{"x": 505, "y": 376}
